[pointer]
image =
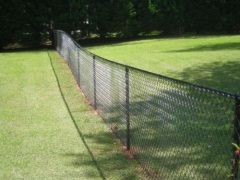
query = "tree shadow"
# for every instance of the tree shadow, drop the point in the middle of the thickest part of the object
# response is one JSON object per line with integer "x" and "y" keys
{"x": 112, "y": 164}
{"x": 212, "y": 47}
{"x": 223, "y": 76}
{"x": 185, "y": 134}
{"x": 88, "y": 43}
{"x": 20, "y": 49}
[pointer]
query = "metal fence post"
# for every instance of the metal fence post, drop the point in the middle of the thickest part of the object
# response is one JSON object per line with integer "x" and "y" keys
{"x": 94, "y": 83}
{"x": 236, "y": 138}
{"x": 69, "y": 58}
{"x": 78, "y": 69}
{"x": 51, "y": 37}
{"x": 127, "y": 107}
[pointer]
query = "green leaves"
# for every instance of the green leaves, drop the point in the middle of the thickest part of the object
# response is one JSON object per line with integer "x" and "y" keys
{"x": 236, "y": 146}
{"x": 26, "y": 21}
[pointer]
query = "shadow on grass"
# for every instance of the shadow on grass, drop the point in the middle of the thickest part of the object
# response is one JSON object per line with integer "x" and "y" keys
{"x": 27, "y": 49}
{"x": 218, "y": 75}
{"x": 185, "y": 134}
{"x": 114, "y": 41}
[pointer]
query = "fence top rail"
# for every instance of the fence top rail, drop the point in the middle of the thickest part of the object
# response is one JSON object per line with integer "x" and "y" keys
{"x": 192, "y": 85}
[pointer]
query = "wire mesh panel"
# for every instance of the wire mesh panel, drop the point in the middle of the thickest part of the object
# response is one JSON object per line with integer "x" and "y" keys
{"x": 86, "y": 76}
{"x": 182, "y": 132}
{"x": 73, "y": 59}
{"x": 110, "y": 90}
{"x": 176, "y": 130}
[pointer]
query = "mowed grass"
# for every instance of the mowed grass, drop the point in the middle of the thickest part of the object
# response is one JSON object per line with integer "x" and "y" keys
{"x": 47, "y": 130}
{"x": 212, "y": 61}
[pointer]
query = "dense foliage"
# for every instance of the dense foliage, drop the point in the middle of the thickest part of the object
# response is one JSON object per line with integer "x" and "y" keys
{"x": 29, "y": 22}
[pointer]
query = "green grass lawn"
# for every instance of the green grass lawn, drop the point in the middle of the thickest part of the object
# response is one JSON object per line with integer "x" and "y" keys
{"x": 212, "y": 61}
{"x": 47, "y": 131}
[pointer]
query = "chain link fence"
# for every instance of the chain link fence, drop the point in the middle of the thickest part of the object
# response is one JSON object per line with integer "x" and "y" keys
{"x": 176, "y": 130}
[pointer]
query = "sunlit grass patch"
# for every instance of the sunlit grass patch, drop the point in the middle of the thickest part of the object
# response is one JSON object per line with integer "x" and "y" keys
{"x": 212, "y": 61}
{"x": 47, "y": 130}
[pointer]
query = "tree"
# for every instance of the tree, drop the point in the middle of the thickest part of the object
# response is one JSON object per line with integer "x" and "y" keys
{"x": 232, "y": 16}
{"x": 98, "y": 16}
{"x": 29, "y": 22}
{"x": 9, "y": 22}
{"x": 34, "y": 19}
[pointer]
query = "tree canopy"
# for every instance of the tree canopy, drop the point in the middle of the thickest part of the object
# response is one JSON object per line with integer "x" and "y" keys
{"x": 29, "y": 22}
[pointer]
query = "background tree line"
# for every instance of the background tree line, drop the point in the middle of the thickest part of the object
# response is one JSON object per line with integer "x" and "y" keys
{"x": 29, "y": 22}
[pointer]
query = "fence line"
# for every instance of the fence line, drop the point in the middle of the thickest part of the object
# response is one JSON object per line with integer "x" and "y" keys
{"x": 175, "y": 129}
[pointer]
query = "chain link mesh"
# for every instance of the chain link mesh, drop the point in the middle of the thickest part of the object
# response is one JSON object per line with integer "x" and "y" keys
{"x": 176, "y": 130}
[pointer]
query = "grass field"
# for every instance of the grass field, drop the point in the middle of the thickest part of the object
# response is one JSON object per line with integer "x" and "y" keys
{"x": 212, "y": 61}
{"x": 47, "y": 131}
